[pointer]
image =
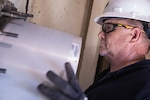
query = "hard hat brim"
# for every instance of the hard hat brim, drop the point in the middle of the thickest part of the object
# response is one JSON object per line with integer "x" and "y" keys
{"x": 101, "y": 18}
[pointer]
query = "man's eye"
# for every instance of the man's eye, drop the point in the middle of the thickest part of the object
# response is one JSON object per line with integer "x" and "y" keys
{"x": 108, "y": 27}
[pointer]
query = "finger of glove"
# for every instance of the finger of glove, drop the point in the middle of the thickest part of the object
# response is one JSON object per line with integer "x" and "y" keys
{"x": 63, "y": 85}
{"x": 51, "y": 93}
{"x": 72, "y": 77}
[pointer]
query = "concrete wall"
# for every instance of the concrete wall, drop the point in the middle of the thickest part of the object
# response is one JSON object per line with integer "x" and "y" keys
{"x": 74, "y": 17}
{"x": 91, "y": 51}
{"x": 63, "y": 15}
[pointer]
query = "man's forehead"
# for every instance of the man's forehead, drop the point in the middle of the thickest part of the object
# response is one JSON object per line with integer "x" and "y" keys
{"x": 115, "y": 20}
{"x": 121, "y": 20}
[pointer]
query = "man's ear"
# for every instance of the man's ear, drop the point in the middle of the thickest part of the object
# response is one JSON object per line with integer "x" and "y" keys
{"x": 135, "y": 34}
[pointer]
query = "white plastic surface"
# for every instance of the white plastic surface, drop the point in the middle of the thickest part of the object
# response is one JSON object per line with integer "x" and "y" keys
{"x": 28, "y": 57}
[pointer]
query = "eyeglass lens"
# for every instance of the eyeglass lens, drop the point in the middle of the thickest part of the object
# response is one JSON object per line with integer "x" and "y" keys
{"x": 107, "y": 27}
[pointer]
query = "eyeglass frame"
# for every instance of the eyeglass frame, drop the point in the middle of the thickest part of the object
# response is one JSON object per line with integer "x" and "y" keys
{"x": 118, "y": 25}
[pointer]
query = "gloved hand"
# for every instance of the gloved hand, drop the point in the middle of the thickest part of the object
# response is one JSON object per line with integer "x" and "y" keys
{"x": 67, "y": 90}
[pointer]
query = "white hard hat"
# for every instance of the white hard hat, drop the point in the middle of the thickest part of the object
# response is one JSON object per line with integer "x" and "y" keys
{"x": 132, "y": 9}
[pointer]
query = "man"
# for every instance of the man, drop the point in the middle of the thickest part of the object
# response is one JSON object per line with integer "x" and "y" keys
{"x": 124, "y": 43}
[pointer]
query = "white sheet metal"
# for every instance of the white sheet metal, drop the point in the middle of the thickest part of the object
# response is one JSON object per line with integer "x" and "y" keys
{"x": 28, "y": 57}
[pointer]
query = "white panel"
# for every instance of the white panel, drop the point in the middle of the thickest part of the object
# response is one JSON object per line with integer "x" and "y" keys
{"x": 28, "y": 57}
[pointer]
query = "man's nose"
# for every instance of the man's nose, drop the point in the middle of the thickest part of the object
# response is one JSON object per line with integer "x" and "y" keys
{"x": 101, "y": 35}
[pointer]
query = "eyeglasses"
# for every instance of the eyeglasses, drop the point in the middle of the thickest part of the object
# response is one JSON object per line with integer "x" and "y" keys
{"x": 109, "y": 27}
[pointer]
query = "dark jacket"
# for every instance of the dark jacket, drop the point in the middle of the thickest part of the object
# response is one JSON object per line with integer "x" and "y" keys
{"x": 130, "y": 83}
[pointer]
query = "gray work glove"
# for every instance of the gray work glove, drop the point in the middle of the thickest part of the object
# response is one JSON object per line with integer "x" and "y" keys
{"x": 66, "y": 90}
